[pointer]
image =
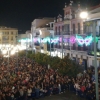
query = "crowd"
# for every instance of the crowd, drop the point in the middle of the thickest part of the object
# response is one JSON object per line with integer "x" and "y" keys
{"x": 29, "y": 80}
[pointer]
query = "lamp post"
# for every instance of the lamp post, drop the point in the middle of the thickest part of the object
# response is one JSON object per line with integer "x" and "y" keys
{"x": 95, "y": 60}
{"x": 50, "y": 44}
{"x": 26, "y": 46}
{"x": 70, "y": 45}
{"x": 8, "y": 56}
{"x": 84, "y": 15}
{"x": 17, "y": 49}
{"x": 31, "y": 43}
{"x": 4, "y": 52}
{"x": 62, "y": 45}
{"x": 7, "y": 50}
{"x": 40, "y": 39}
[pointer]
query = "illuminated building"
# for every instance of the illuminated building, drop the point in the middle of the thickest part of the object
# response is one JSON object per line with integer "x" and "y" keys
{"x": 41, "y": 28}
{"x": 77, "y": 35}
{"x": 8, "y": 35}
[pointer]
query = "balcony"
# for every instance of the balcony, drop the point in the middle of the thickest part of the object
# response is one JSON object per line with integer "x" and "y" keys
{"x": 91, "y": 33}
{"x": 49, "y": 28}
{"x": 63, "y": 32}
{"x": 66, "y": 33}
{"x": 57, "y": 33}
{"x": 77, "y": 32}
{"x": 37, "y": 44}
{"x": 79, "y": 48}
{"x": 73, "y": 48}
{"x": 69, "y": 33}
{"x": 57, "y": 46}
{"x": 91, "y": 53}
{"x": 64, "y": 47}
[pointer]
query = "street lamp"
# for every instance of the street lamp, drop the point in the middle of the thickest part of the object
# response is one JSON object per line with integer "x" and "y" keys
{"x": 40, "y": 39}
{"x": 16, "y": 49}
{"x": 7, "y": 49}
{"x": 62, "y": 44}
{"x": 4, "y": 52}
{"x": 84, "y": 15}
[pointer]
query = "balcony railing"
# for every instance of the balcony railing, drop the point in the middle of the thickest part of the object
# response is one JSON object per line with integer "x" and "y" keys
{"x": 72, "y": 48}
{"x": 50, "y": 28}
{"x": 69, "y": 32}
{"x": 91, "y": 33}
{"x": 77, "y": 32}
{"x": 91, "y": 53}
{"x": 57, "y": 33}
{"x": 63, "y": 32}
{"x": 66, "y": 33}
{"x": 37, "y": 44}
{"x": 64, "y": 47}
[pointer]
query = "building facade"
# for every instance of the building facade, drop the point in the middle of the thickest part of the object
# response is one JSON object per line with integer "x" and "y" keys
{"x": 68, "y": 35}
{"x": 42, "y": 29}
{"x": 74, "y": 34}
{"x": 8, "y": 35}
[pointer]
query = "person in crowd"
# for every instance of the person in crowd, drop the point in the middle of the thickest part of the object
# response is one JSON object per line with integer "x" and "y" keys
{"x": 31, "y": 80}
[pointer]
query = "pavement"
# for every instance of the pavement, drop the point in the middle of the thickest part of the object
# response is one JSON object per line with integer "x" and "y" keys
{"x": 65, "y": 96}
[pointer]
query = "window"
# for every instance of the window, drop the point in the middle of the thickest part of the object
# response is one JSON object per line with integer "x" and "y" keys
{"x": 99, "y": 30}
{"x": 73, "y": 15}
{"x": 84, "y": 28}
{"x": 16, "y": 33}
{"x": 79, "y": 47}
{"x": 65, "y": 28}
{"x": 68, "y": 28}
{"x": 5, "y": 38}
{"x": 78, "y": 28}
{"x": 3, "y": 33}
{"x": 74, "y": 47}
{"x": 11, "y": 38}
{"x": 59, "y": 30}
{"x": 52, "y": 25}
{"x": 73, "y": 28}
{"x": 55, "y": 29}
{"x": 62, "y": 28}
{"x": 11, "y": 33}
{"x": 7, "y": 32}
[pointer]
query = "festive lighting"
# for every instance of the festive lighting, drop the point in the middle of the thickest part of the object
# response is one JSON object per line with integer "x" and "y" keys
{"x": 96, "y": 39}
{"x": 80, "y": 40}
{"x": 98, "y": 53}
{"x": 35, "y": 39}
{"x": 60, "y": 39}
{"x": 66, "y": 39}
{"x": 72, "y": 39}
{"x": 25, "y": 40}
{"x": 4, "y": 51}
{"x": 47, "y": 39}
{"x": 84, "y": 15}
{"x": 12, "y": 52}
{"x": 87, "y": 41}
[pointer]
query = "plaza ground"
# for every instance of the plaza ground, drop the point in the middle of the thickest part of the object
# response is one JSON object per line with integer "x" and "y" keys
{"x": 65, "y": 96}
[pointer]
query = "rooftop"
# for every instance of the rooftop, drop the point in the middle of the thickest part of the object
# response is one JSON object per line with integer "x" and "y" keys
{"x": 8, "y": 28}
{"x": 95, "y": 7}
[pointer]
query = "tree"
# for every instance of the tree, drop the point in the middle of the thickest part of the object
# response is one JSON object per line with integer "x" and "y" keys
{"x": 65, "y": 66}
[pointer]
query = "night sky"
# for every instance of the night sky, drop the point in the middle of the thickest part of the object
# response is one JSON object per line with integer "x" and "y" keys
{"x": 20, "y": 13}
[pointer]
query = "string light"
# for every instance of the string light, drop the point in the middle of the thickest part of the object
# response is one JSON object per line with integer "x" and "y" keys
{"x": 87, "y": 40}
{"x": 72, "y": 39}
{"x": 79, "y": 39}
